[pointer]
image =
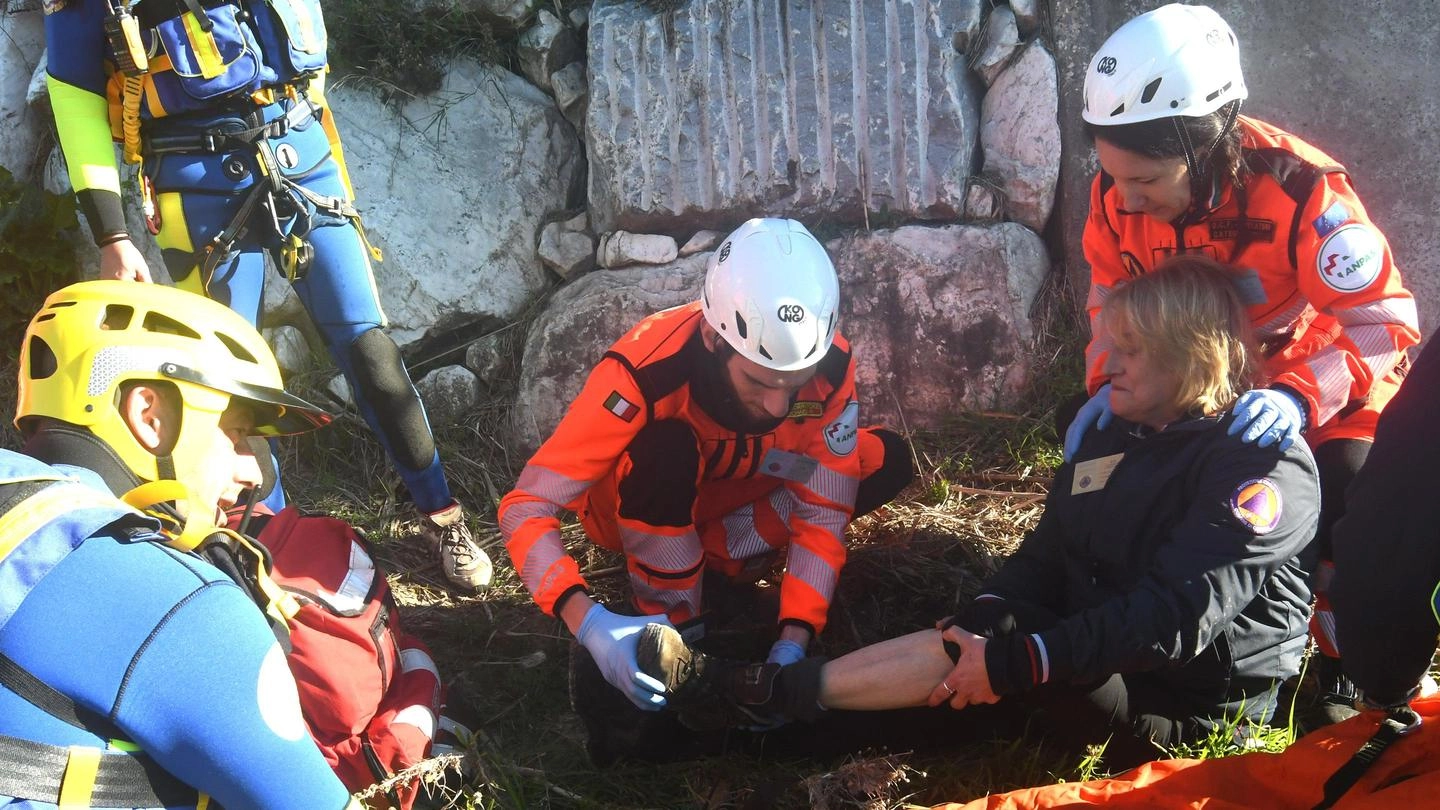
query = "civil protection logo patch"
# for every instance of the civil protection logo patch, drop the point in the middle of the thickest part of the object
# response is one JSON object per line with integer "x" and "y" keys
{"x": 1256, "y": 503}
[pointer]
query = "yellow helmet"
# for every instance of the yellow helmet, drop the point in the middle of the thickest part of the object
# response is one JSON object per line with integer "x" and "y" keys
{"x": 91, "y": 338}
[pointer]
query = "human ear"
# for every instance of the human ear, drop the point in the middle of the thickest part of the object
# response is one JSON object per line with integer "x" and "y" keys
{"x": 708, "y": 335}
{"x": 143, "y": 411}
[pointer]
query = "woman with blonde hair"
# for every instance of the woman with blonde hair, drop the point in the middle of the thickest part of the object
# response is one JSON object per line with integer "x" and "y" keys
{"x": 1163, "y": 591}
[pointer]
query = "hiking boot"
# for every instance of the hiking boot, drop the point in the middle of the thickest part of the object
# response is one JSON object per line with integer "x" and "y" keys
{"x": 707, "y": 693}
{"x": 615, "y": 729}
{"x": 464, "y": 562}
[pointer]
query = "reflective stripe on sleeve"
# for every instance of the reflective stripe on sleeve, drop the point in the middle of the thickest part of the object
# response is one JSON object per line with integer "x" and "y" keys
{"x": 833, "y": 486}
{"x": 550, "y": 485}
{"x": 811, "y": 569}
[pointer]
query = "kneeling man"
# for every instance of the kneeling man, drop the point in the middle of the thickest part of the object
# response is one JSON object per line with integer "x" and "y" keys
{"x": 712, "y": 441}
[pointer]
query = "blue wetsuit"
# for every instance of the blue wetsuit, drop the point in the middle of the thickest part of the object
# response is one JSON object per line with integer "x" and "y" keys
{"x": 177, "y": 656}
{"x": 199, "y": 186}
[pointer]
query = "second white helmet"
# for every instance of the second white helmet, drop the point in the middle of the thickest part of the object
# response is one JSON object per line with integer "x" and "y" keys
{"x": 771, "y": 293}
{"x": 1175, "y": 60}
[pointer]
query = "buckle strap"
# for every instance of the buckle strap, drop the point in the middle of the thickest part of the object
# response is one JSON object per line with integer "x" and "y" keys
{"x": 214, "y": 141}
{"x": 1398, "y": 722}
{"x": 85, "y": 776}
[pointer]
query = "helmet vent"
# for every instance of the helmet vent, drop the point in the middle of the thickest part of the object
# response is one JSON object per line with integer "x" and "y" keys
{"x": 812, "y": 349}
{"x": 235, "y": 348}
{"x": 742, "y": 329}
{"x": 155, "y": 322}
{"x": 117, "y": 317}
{"x": 1121, "y": 109}
{"x": 765, "y": 354}
{"x": 1150, "y": 90}
{"x": 1217, "y": 93}
{"x": 42, "y": 359}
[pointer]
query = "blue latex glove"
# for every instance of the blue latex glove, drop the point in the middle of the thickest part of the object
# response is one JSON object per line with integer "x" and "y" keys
{"x": 785, "y": 652}
{"x": 1269, "y": 416}
{"x": 1094, "y": 413}
{"x": 611, "y": 640}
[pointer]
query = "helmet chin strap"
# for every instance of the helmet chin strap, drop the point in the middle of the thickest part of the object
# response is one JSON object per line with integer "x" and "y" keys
{"x": 1202, "y": 178}
{"x": 252, "y": 497}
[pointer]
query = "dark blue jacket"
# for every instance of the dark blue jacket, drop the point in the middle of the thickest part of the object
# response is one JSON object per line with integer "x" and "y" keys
{"x": 1191, "y": 561}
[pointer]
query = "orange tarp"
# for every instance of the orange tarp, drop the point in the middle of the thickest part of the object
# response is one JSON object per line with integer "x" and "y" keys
{"x": 1406, "y": 776}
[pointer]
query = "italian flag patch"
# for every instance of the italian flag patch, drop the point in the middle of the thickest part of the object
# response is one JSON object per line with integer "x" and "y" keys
{"x": 621, "y": 407}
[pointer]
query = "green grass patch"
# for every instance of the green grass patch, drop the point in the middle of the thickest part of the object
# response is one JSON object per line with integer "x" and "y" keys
{"x": 407, "y": 50}
{"x": 37, "y": 254}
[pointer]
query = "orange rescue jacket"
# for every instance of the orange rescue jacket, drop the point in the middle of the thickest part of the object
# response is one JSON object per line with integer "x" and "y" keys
{"x": 1326, "y": 300}
{"x": 646, "y": 376}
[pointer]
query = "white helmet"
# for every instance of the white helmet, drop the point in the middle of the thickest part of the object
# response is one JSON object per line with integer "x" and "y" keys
{"x": 1175, "y": 60}
{"x": 771, "y": 293}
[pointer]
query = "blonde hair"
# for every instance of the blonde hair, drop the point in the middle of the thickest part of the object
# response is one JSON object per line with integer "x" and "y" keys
{"x": 1188, "y": 316}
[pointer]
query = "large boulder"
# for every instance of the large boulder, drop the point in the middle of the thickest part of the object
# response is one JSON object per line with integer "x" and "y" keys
{"x": 22, "y": 48}
{"x": 1021, "y": 135}
{"x": 939, "y": 318}
{"x": 712, "y": 112}
{"x": 454, "y": 187}
{"x": 579, "y": 323}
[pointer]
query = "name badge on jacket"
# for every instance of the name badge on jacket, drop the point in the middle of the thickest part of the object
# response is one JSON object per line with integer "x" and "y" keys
{"x": 789, "y": 466}
{"x": 1093, "y": 475}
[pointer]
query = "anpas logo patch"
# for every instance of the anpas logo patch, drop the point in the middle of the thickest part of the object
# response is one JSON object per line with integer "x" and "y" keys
{"x": 1350, "y": 258}
{"x": 841, "y": 434}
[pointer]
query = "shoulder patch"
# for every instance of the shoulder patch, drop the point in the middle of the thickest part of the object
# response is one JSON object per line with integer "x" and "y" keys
{"x": 841, "y": 434}
{"x": 621, "y": 407}
{"x": 1334, "y": 217}
{"x": 1256, "y": 503}
{"x": 1350, "y": 258}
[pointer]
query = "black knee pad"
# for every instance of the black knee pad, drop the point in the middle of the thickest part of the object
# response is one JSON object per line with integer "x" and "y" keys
{"x": 664, "y": 463}
{"x": 382, "y": 382}
{"x": 895, "y": 473}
